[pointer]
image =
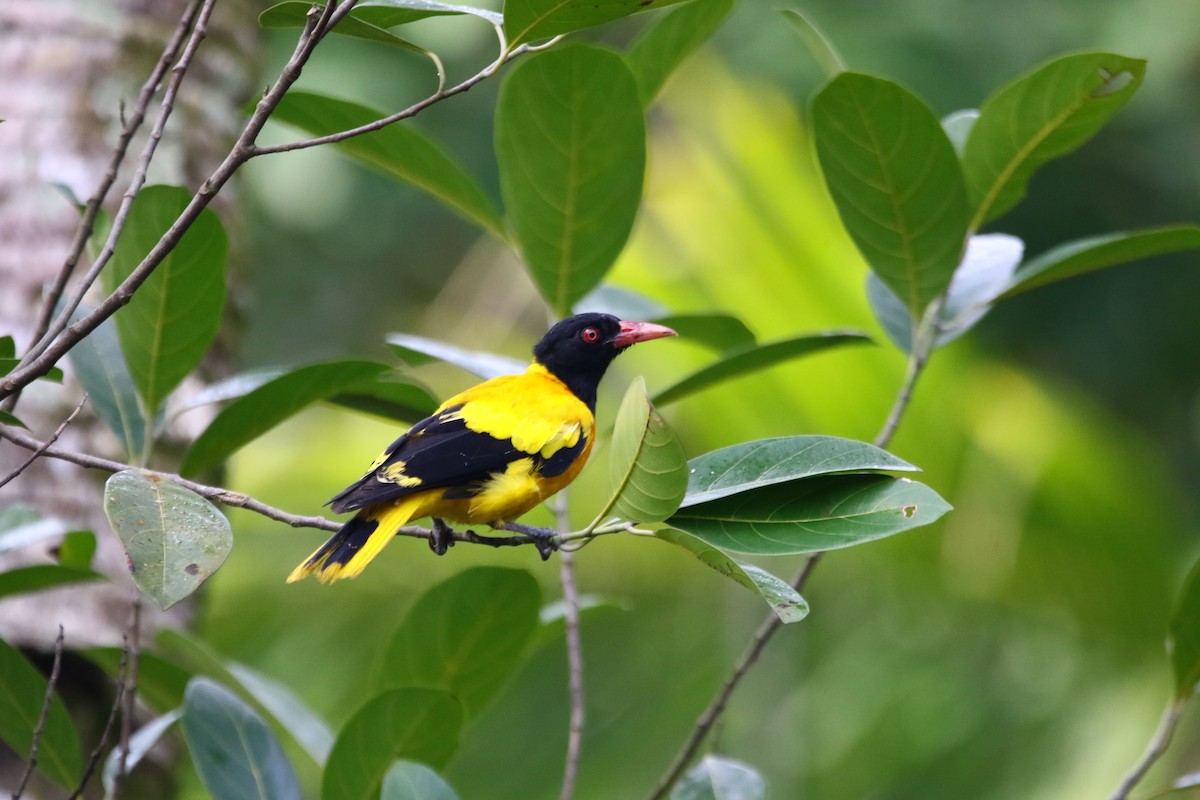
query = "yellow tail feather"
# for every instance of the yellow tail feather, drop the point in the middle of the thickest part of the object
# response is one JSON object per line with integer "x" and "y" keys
{"x": 349, "y": 551}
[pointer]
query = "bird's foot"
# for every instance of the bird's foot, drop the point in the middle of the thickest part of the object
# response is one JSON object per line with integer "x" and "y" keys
{"x": 442, "y": 538}
{"x": 543, "y": 538}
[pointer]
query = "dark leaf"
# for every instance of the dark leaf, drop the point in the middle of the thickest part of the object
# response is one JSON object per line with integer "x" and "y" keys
{"x": 21, "y": 694}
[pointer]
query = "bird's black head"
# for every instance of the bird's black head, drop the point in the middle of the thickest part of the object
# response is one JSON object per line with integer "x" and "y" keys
{"x": 579, "y": 349}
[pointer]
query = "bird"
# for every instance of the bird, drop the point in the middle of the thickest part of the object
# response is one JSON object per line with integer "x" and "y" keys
{"x": 488, "y": 454}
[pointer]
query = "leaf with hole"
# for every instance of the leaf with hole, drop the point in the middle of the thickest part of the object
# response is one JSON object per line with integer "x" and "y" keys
{"x": 812, "y": 515}
{"x": 174, "y": 539}
{"x": 1087, "y": 255}
{"x": 766, "y": 462}
{"x": 646, "y": 463}
{"x": 410, "y": 723}
{"x": 1038, "y": 117}
{"x": 896, "y": 181}
{"x": 22, "y": 692}
{"x": 172, "y": 319}
{"x": 466, "y": 635}
{"x": 747, "y": 359}
{"x": 234, "y": 751}
{"x": 784, "y": 600}
{"x": 398, "y": 151}
{"x": 571, "y": 146}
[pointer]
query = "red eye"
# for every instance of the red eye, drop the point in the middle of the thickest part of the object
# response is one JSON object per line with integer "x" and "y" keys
{"x": 589, "y": 335}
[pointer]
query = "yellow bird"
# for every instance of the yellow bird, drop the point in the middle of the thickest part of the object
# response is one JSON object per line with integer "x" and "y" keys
{"x": 488, "y": 454}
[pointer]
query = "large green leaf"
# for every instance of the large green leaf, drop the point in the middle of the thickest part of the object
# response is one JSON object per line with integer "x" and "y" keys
{"x": 418, "y": 350}
{"x": 1039, "y": 117}
{"x": 720, "y": 778}
{"x": 261, "y": 409}
{"x": 765, "y": 462}
{"x": 173, "y": 317}
{"x": 896, "y": 181}
{"x": 571, "y": 147}
{"x": 811, "y": 515}
{"x": 101, "y": 370}
{"x": 528, "y": 20}
{"x": 646, "y": 463}
{"x": 234, "y": 751}
{"x": 392, "y": 397}
{"x": 22, "y": 692}
{"x": 784, "y": 600}
{"x": 669, "y": 39}
{"x": 744, "y": 360}
{"x": 1097, "y": 252}
{"x": 407, "y": 780}
{"x": 399, "y": 150}
{"x": 174, "y": 538}
{"x": 466, "y": 635}
{"x": 414, "y": 724}
{"x": 39, "y": 577}
{"x": 161, "y": 683}
{"x": 1183, "y": 641}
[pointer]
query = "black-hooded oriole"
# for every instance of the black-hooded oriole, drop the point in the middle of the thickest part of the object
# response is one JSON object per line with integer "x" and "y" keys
{"x": 488, "y": 454}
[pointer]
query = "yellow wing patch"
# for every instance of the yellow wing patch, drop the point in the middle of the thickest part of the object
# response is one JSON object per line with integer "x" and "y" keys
{"x": 394, "y": 473}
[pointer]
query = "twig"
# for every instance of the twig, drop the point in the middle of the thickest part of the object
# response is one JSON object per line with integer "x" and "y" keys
{"x": 133, "y": 638}
{"x": 198, "y": 32}
{"x": 53, "y": 438}
{"x": 1154, "y": 751}
{"x": 87, "y": 221}
{"x": 574, "y": 657}
{"x": 233, "y": 499}
{"x": 118, "y": 702}
{"x": 47, "y": 700}
{"x": 923, "y": 339}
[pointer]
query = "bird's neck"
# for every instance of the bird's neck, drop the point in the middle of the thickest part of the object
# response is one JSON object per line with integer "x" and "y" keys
{"x": 581, "y": 384}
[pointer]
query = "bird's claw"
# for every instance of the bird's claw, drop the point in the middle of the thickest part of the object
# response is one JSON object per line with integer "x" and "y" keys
{"x": 442, "y": 538}
{"x": 543, "y": 538}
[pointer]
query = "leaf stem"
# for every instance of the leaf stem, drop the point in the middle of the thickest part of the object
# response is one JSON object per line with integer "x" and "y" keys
{"x": 1155, "y": 749}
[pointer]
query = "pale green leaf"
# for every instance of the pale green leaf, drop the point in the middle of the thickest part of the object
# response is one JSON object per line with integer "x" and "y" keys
{"x": 407, "y": 780}
{"x": 647, "y": 466}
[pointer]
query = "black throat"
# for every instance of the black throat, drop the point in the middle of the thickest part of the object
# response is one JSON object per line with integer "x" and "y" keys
{"x": 583, "y": 380}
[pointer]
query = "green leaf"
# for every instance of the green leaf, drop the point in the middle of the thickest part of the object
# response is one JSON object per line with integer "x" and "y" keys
{"x": 571, "y": 147}
{"x": 529, "y": 20}
{"x": 8, "y": 347}
{"x": 418, "y": 350}
{"x": 1041, "y": 116}
{"x": 376, "y": 13}
{"x": 811, "y": 515}
{"x": 21, "y": 525}
{"x": 399, "y": 150}
{"x": 785, "y": 601}
{"x": 765, "y": 462}
{"x": 102, "y": 372}
{"x": 986, "y": 271}
{"x": 646, "y": 463}
{"x": 820, "y": 47}
{"x": 8, "y": 419}
{"x": 7, "y": 365}
{"x": 296, "y": 718}
{"x": 1097, "y": 252}
{"x": 721, "y": 332}
{"x": 77, "y": 549}
{"x": 745, "y": 360}
{"x": 466, "y": 635}
{"x": 174, "y": 539}
{"x": 22, "y": 692}
{"x": 958, "y": 127}
{"x": 414, "y": 724}
{"x": 896, "y": 180}
{"x": 140, "y": 743}
{"x": 39, "y": 577}
{"x": 669, "y": 39}
{"x": 397, "y": 399}
{"x": 161, "y": 684}
{"x": 260, "y": 410}
{"x": 407, "y": 780}
{"x": 173, "y": 318}
{"x": 720, "y": 778}
{"x": 1183, "y": 639}
{"x": 234, "y": 751}
{"x": 230, "y": 388}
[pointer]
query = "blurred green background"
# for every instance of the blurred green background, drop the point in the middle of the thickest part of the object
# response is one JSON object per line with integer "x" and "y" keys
{"x": 1014, "y": 650}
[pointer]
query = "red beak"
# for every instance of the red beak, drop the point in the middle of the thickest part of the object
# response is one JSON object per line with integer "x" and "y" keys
{"x": 634, "y": 332}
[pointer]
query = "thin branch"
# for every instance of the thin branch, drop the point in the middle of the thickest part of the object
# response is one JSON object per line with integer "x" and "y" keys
{"x": 923, "y": 339}
{"x": 574, "y": 656}
{"x": 87, "y": 221}
{"x": 53, "y": 438}
{"x": 133, "y": 638}
{"x": 47, "y": 701}
{"x": 1155, "y": 749}
{"x": 118, "y": 703}
{"x": 233, "y": 499}
{"x": 198, "y": 32}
